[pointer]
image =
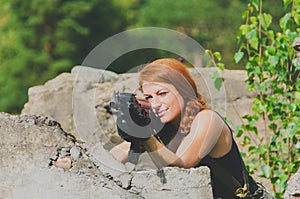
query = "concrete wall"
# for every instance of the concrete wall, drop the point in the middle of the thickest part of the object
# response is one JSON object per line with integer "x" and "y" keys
{"x": 40, "y": 160}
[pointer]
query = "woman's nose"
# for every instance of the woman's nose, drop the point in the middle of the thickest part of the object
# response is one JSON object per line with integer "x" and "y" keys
{"x": 155, "y": 104}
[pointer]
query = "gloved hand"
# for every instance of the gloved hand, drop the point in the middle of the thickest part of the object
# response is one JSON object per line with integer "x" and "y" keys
{"x": 133, "y": 132}
{"x": 138, "y": 122}
{"x": 135, "y": 122}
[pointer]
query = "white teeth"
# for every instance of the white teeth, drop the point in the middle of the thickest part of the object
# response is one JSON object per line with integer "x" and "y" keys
{"x": 160, "y": 113}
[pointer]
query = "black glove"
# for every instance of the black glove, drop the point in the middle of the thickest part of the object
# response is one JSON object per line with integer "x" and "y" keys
{"x": 136, "y": 135}
{"x": 132, "y": 132}
{"x": 135, "y": 120}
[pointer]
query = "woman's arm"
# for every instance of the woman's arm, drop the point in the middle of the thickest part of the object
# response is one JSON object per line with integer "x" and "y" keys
{"x": 120, "y": 152}
{"x": 208, "y": 135}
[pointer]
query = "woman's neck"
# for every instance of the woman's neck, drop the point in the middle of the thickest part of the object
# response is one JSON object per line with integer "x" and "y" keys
{"x": 176, "y": 122}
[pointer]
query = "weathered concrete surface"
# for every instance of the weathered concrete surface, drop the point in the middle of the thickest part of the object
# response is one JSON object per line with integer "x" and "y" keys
{"x": 40, "y": 160}
{"x": 293, "y": 189}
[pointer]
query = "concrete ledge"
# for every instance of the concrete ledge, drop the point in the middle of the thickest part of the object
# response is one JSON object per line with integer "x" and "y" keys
{"x": 40, "y": 160}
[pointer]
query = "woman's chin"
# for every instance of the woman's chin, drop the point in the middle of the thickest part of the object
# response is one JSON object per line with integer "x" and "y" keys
{"x": 164, "y": 119}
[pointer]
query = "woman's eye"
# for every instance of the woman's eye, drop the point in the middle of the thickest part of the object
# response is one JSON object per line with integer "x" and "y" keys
{"x": 163, "y": 93}
{"x": 148, "y": 97}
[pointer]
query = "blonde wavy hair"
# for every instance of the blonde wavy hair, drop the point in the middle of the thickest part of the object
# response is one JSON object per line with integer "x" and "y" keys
{"x": 172, "y": 71}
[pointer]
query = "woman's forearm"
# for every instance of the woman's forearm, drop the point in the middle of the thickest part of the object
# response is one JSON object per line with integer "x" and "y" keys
{"x": 120, "y": 152}
{"x": 161, "y": 155}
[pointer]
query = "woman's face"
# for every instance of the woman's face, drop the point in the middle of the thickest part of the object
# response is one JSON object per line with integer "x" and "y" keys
{"x": 166, "y": 102}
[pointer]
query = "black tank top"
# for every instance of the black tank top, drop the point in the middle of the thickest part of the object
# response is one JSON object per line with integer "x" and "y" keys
{"x": 231, "y": 162}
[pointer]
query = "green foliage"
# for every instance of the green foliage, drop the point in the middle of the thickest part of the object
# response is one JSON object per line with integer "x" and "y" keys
{"x": 274, "y": 74}
{"x": 212, "y": 23}
{"x": 215, "y": 60}
{"x": 43, "y": 38}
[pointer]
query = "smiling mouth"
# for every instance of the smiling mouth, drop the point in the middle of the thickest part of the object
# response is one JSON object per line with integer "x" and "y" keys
{"x": 161, "y": 113}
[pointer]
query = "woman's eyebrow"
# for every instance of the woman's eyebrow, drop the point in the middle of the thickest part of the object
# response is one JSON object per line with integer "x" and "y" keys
{"x": 158, "y": 91}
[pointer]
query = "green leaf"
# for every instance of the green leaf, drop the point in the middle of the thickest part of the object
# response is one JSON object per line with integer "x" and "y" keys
{"x": 270, "y": 34}
{"x": 238, "y": 56}
{"x": 271, "y": 50}
{"x": 292, "y": 129}
{"x": 252, "y": 37}
{"x": 253, "y": 21}
{"x": 221, "y": 66}
{"x": 255, "y": 3}
{"x": 218, "y": 82}
{"x": 252, "y": 148}
{"x": 273, "y": 60}
{"x": 245, "y": 14}
{"x": 273, "y": 127}
{"x": 214, "y": 75}
{"x": 266, "y": 20}
{"x": 292, "y": 107}
{"x": 297, "y": 95}
{"x": 207, "y": 52}
{"x": 218, "y": 55}
{"x": 284, "y": 20}
{"x": 286, "y": 3}
{"x": 244, "y": 29}
{"x": 297, "y": 17}
{"x": 239, "y": 131}
{"x": 266, "y": 170}
{"x": 209, "y": 63}
{"x": 254, "y": 43}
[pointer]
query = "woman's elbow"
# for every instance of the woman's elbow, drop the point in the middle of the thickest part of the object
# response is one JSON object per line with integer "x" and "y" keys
{"x": 189, "y": 162}
{"x": 186, "y": 164}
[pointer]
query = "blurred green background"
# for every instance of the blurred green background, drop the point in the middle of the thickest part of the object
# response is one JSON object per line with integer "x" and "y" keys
{"x": 40, "y": 39}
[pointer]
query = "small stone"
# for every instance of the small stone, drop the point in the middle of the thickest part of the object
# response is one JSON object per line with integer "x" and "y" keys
{"x": 64, "y": 163}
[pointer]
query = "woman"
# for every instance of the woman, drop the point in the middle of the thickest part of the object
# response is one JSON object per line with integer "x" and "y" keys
{"x": 193, "y": 134}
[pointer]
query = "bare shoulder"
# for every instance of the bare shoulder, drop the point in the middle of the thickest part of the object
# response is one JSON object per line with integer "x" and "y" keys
{"x": 207, "y": 119}
{"x": 207, "y": 114}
